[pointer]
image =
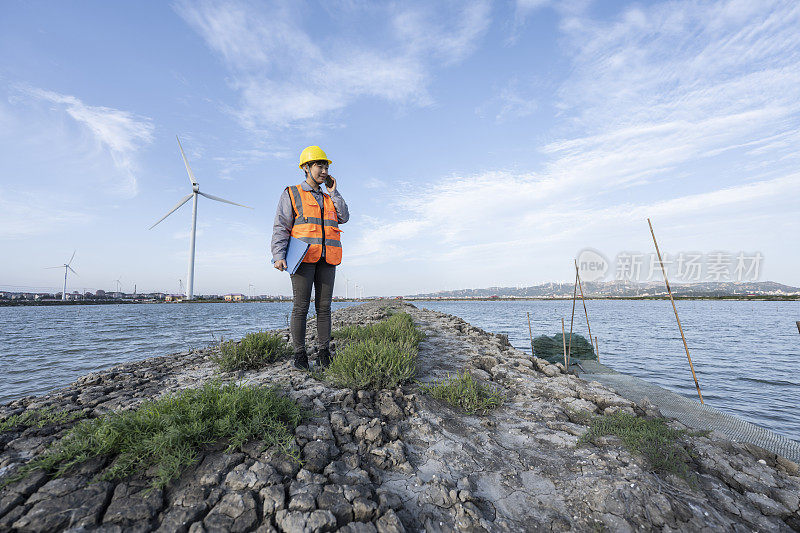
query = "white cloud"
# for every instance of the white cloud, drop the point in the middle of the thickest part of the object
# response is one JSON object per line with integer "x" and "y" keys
{"x": 487, "y": 215}
{"x": 26, "y": 214}
{"x": 511, "y": 102}
{"x": 524, "y": 9}
{"x": 121, "y": 133}
{"x": 375, "y": 183}
{"x": 239, "y": 160}
{"x": 760, "y": 193}
{"x": 288, "y": 71}
{"x": 682, "y": 111}
{"x": 679, "y": 59}
{"x": 449, "y": 35}
{"x": 659, "y": 92}
{"x": 530, "y": 5}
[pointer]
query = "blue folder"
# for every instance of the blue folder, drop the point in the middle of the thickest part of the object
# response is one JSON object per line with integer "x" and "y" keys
{"x": 295, "y": 253}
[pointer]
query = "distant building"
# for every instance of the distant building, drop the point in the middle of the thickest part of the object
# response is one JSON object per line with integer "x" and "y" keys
{"x": 173, "y": 298}
{"x": 234, "y": 297}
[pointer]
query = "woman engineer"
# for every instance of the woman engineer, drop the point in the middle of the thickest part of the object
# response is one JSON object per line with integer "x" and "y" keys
{"x": 313, "y": 216}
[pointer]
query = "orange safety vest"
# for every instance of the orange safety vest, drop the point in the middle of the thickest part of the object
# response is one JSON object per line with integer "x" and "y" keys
{"x": 315, "y": 228}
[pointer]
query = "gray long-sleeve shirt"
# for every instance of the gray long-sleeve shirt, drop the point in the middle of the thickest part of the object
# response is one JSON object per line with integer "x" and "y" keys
{"x": 284, "y": 218}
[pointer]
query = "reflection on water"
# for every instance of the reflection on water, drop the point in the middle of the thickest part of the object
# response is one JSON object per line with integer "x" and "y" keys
{"x": 746, "y": 354}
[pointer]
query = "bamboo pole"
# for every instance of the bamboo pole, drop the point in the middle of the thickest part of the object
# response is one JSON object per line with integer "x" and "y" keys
{"x": 530, "y": 332}
{"x": 564, "y": 342}
{"x": 572, "y": 319}
{"x": 580, "y": 286}
{"x": 596, "y": 350}
{"x": 675, "y": 309}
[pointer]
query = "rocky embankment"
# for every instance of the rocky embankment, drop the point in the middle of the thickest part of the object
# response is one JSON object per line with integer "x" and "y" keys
{"x": 396, "y": 460}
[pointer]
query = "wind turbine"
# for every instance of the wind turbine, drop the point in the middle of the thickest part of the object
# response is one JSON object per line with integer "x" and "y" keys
{"x": 193, "y": 196}
{"x": 66, "y": 266}
{"x": 119, "y": 285}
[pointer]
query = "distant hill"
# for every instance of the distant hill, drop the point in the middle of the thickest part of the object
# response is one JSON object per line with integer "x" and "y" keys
{"x": 623, "y": 289}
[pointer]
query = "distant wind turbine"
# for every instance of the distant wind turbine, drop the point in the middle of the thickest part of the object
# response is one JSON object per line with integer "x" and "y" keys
{"x": 119, "y": 285}
{"x": 193, "y": 196}
{"x": 66, "y": 266}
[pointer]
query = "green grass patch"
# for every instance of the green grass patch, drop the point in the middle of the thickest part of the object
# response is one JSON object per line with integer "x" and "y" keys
{"x": 465, "y": 392}
{"x": 252, "y": 352}
{"x": 651, "y": 437}
{"x": 397, "y": 327}
{"x": 167, "y": 434}
{"x": 39, "y": 418}
{"x": 377, "y": 356}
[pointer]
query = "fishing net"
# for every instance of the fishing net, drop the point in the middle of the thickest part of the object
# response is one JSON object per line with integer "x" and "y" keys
{"x": 552, "y": 348}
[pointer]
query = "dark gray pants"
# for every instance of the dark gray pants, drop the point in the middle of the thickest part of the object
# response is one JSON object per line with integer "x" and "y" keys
{"x": 321, "y": 275}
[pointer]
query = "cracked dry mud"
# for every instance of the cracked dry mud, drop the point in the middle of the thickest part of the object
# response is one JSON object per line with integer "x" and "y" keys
{"x": 395, "y": 460}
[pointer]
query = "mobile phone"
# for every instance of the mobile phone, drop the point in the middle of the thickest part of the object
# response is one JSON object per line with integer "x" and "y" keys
{"x": 329, "y": 181}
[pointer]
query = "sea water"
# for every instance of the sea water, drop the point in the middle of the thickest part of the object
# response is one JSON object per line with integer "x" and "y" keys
{"x": 746, "y": 354}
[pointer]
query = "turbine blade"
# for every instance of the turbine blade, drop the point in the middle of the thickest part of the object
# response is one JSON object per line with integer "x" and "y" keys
{"x": 71, "y": 258}
{"x": 48, "y": 268}
{"x": 186, "y": 162}
{"x": 180, "y": 203}
{"x": 217, "y": 198}
{"x": 73, "y": 271}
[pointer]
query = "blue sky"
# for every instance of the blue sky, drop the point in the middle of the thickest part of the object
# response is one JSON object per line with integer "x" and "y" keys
{"x": 476, "y": 143}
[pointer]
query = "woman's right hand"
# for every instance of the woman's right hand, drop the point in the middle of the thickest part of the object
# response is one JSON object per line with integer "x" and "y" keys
{"x": 280, "y": 264}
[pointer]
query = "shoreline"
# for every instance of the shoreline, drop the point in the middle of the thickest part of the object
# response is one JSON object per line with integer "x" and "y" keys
{"x": 765, "y": 298}
{"x": 689, "y": 411}
{"x": 770, "y": 298}
{"x": 398, "y": 460}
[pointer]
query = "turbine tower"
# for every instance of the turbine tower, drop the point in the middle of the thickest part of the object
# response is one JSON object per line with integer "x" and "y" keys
{"x": 192, "y": 196}
{"x": 66, "y": 266}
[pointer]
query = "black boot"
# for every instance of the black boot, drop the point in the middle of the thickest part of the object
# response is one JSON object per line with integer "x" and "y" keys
{"x": 324, "y": 357}
{"x": 301, "y": 360}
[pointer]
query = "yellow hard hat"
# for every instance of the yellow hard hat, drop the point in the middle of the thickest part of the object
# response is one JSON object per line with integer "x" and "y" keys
{"x": 313, "y": 153}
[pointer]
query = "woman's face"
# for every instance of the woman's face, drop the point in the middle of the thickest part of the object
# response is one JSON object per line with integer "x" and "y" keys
{"x": 318, "y": 171}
